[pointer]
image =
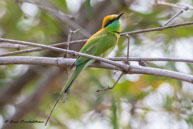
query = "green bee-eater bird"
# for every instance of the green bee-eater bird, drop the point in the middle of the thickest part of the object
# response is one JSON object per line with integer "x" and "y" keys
{"x": 99, "y": 44}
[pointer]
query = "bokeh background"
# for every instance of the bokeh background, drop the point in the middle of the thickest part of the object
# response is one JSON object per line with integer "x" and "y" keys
{"x": 137, "y": 102}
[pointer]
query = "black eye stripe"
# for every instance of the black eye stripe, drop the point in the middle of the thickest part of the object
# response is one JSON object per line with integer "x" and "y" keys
{"x": 110, "y": 21}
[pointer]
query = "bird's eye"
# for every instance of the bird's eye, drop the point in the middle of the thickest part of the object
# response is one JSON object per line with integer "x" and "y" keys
{"x": 109, "y": 22}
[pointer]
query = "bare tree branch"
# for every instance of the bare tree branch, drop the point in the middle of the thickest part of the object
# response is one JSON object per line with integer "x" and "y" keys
{"x": 128, "y": 46}
{"x": 151, "y": 59}
{"x": 47, "y": 61}
{"x": 157, "y": 29}
{"x": 63, "y": 62}
{"x": 39, "y": 49}
{"x": 121, "y": 65}
{"x": 16, "y": 46}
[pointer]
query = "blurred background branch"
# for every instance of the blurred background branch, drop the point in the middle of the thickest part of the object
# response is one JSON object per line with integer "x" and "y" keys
{"x": 59, "y": 14}
{"x": 181, "y": 6}
{"x": 48, "y": 81}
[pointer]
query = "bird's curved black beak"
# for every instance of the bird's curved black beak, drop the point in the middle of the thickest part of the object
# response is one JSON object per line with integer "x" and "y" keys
{"x": 117, "y": 18}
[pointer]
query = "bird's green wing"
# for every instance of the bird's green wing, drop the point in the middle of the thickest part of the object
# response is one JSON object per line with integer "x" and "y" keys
{"x": 99, "y": 44}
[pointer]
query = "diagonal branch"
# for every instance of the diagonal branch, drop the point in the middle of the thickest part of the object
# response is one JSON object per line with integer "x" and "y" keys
{"x": 40, "y": 49}
{"x": 157, "y": 29}
{"x": 110, "y": 88}
{"x": 121, "y": 65}
{"x": 183, "y": 8}
{"x": 63, "y": 17}
{"x": 175, "y": 16}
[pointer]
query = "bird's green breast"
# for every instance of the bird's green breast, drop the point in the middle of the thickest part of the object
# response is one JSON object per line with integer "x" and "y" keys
{"x": 107, "y": 44}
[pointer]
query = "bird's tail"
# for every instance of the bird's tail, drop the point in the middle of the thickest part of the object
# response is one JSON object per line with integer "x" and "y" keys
{"x": 66, "y": 89}
{"x": 77, "y": 71}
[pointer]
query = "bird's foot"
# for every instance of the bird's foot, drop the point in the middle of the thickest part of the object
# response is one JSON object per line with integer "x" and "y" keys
{"x": 108, "y": 88}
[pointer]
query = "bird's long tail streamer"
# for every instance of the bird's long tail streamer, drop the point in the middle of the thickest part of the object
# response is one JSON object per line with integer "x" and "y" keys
{"x": 66, "y": 89}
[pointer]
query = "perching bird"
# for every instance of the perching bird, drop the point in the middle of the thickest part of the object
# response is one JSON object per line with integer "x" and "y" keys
{"x": 99, "y": 44}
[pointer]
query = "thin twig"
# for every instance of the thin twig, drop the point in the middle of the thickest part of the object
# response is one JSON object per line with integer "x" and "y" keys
{"x": 68, "y": 47}
{"x": 157, "y": 29}
{"x": 142, "y": 63}
{"x": 110, "y": 88}
{"x": 16, "y": 46}
{"x": 183, "y": 7}
{"x": 69, "y": 38}
{"x": 128, "y": 41}
{"x": 176, "y": 15}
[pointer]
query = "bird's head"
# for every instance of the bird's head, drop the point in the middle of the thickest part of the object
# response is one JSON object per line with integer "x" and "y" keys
{"x": 112, "y": 23}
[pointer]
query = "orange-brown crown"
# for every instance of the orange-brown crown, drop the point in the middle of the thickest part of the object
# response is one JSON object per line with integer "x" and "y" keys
{"x": 110, "y": 18}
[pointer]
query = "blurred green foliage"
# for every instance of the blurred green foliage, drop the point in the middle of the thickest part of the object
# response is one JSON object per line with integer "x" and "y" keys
{"x": 137, "y": 101}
